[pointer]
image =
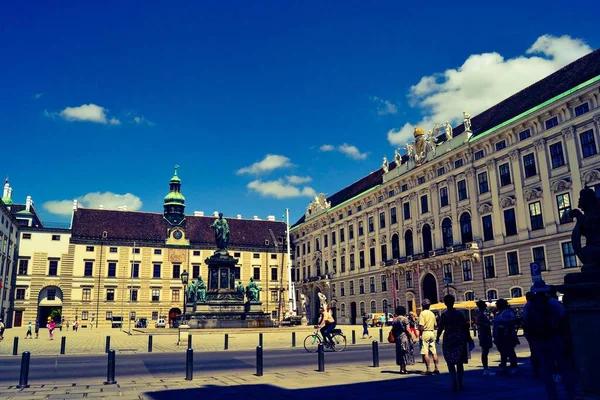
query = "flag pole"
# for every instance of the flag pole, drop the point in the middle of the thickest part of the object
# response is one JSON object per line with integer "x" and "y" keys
{"x": 291, "y": 291}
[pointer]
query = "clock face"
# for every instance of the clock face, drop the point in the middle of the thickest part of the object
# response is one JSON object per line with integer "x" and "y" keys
{"x": 177, "y": 234}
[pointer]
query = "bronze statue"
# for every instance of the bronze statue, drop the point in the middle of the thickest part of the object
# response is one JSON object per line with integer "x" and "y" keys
{"x": 221, "y": 227}
{"x": 240, "y": 289}
{"x": 200, "y": 291}
{"x": 588, "y": 226}
{"x": 252, "y": 290}
{"x": 190, "y": 293}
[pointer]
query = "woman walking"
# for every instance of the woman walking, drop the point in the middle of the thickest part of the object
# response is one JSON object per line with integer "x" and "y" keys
{"x": 402, "y": 337}
{"x": 365, "y": 327}
{"x": 51, "y": 326}
{"x": 456, "y": 339}
{"x": 484, "y": 327}
{"x": 505, "y": 336}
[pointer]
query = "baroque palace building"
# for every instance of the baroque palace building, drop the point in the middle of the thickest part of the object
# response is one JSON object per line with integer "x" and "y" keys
{"x": 111, "y": 264}
{"x": 468, "y": 215}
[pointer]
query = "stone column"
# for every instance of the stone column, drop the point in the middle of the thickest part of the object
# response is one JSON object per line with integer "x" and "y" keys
{"x": 497, "y": 220}
{"x": 414, "y": 216}
{"x": 435, "y": 209}
{"x": 522, "y": 212}
{"x": 573, "y": 157}
{"x": 453, "y": 198}
{"x": 471, "y": 175}
{"x": 546, "y": 199}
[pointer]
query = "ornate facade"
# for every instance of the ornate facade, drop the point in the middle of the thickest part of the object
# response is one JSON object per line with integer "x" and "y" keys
{"x": 470, "y": 217}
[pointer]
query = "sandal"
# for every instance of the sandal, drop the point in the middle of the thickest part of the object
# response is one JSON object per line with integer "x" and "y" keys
{"x": 426, "y": 373}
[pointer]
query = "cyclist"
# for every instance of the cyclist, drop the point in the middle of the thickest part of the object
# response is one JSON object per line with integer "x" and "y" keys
{"x": 327, "y": 325}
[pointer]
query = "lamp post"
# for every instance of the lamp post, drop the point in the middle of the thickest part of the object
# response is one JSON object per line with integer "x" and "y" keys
{"x": 184, "y": 279}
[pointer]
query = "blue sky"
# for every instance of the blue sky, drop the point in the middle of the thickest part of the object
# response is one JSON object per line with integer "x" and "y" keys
{"x": 217, "y": 87}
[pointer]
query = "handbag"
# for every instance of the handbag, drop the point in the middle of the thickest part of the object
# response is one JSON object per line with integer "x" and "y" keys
{"x": 391, "y": 338}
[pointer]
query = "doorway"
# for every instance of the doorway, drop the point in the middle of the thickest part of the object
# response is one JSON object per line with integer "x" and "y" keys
{"x": 173, "y": 314}
{"x": 430, "y": 288}
{"x": 353, "y": 313}
{"x": 18, "y": 321}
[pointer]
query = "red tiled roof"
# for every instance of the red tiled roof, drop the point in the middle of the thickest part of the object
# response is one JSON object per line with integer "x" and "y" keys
{"x": 127, "y": 226}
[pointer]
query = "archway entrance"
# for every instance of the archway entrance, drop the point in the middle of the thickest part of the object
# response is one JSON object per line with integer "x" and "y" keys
{"x": 430, "y": 288}
{"x": 173, "y": 314}
{"x": 50, "y": 305}
{"x": 353, "y": 313}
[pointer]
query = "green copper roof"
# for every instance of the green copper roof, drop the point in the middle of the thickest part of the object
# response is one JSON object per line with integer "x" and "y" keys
{"x": 175, "y": 178}
{"x": 176, "y": 197}
{"x": 7, "y": 201}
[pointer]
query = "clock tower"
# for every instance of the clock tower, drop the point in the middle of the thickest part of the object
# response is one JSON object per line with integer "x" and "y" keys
{"x": 174, "y": 206}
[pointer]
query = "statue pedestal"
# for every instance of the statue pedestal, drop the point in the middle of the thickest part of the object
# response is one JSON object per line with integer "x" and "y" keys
{"x": 582, "y": 305}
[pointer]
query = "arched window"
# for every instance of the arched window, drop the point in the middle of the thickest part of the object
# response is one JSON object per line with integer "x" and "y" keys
{"x": 395, "y": 247}
{"x": 343, "y": 309}
{"x": 384, "y": 306}
{"x": 447, "y": 233}
{"x": 516, "y": 292}
{"x": 373, "y": 306}
{"x": 469, "y": 296}
{"x": 492, "y": 294}
{"x": 427, "y": 242}
{"x": 465, "y": 228}
{"x": 408, "y": 243}
{"x": 362, "y": 308}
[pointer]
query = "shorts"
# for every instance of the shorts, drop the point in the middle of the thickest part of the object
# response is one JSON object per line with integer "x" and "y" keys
{"x": 428, "y": 343}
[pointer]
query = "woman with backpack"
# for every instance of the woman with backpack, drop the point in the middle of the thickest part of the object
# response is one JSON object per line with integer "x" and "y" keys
{"x": 505, "y": 336}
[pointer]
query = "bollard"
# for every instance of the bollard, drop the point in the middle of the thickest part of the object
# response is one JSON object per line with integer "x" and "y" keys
{"x": 353, "y": 337}
{"x": 293, "y": 339}
{"x": 110, "y": 371}
{"x": 16, "y": 346}
{"x": 321, "y": 358}
{"x": 63, "y": 345}
{"x": 260, "y": 339}
{"x": 259, "y": 360}
{"x": 189, "y": 340}
{"x": 189, "y": 364}
{"x": 226, "y": 347}
{"x": 375, "y": 354}
{"x": 150, "y": 344}
{"x": 24, "y": 371}
{"x": 380, "y": 335}
{"x": 107, "y": 348}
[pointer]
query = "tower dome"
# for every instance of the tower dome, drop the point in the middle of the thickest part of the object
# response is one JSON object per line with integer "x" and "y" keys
{"x": 174, "y": 203}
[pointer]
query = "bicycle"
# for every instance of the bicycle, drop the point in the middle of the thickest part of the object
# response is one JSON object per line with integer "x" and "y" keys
{"x": 312, "y": 341}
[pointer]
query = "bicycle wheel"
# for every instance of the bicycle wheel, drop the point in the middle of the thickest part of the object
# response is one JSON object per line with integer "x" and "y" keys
{"x": 311, "y": 343}
{"x": 340, "y": 342}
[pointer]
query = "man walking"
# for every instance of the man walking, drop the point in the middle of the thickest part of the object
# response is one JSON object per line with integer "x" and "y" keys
{"x": 365, "y": 327}
{"x": 28, "y": 334}
{"x": 427, "y": 336}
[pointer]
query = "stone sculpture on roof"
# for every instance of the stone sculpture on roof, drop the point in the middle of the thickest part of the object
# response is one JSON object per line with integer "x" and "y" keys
{"x": 397, "y": 157}
{"x": 319, "y": 203}
{"x": 385, "y": 165}
{"x": 448, "y": 129}
{"x": 467, "y": 121}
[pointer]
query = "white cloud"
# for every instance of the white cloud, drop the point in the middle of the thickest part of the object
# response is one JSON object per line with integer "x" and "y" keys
{"x": 269, "y": 163}
{"x": 140, "y": 120}
{"x": 109, "y": 201}
{"x": 279, "y": 189}
{"x": 297, "y": 180}
{"x": 38, "y": 95}
{"x": 88, "y": 112}
{"x": 384, "y": 107}
{"x": 484, "y": 80}
{"x": 347, "y": 149}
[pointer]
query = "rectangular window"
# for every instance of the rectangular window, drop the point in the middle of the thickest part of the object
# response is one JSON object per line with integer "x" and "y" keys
{"x": 307, "y": 248}
{"x": 155, "y": 294}
{"x": 529, "y": 164}
{"x": 158, "y": 251}
{"x": 136, "y": 250}
{"x": 273, "y": 274}
{"x": 420, "y": 180}
{"x": 88, "y": 269}
{"x": 393, "y": 216}
{"x": 462, "y": 189}
{"x": 526, "y": 134}
{"x": 156, "y": 271}
{"x": 381, "y": 220}
{"x": 441, "y": 171}
{"x": 447, "y": 273}
{"x": 569, "y": 257}
{"x": 588, "y": 144}
{"x": 488, "y": 229}
{"x": 371, "y": 285}
{"x": 482, "y": 179}
{"x": 372, "y": 256}
{"x": 52, "y": 267}
{"x": 340, "y": 217}
{"x": 23, "y": 267}
{"x": 175, "y": 295}
{"x": 361, "y": 286}
{"x": 343, "y": 263}
{"x": 444, "y": 201}
{"x": 406, "y": 209}
{"x": 539, "y": 256}
{"x": 110, "y": 294}
{"x": 84, "y": 315}
{"x": 358, "y": 208}
{"x": 352, "y": 266}
{"x": 391, "y": 193}
{"x": 113, "y": 250}
{"x": 504, "y": 175}
{"x": 582, "y": 109}
{"x": 333, "y": 238}
{"x": 409, "y": 279}
{"x": 176, "y": 271}
{"x": 350, "y": 232}
{"x": 342, "y": 289}
{"x": 27, "y": 236}
{"x": 458, "y": 163}
{"x": 467, "y": 272}
{"x": 384, "y": 252}
{"x": 342, "y": 235}
{"x": 56, "y": 237}
{"x": 500, "y": 145}
{"x": 256, "y": 255}
{"x": 371, "y": 224}
{"x": 351, "y": 288}
{"x": 361, "y": 259}
{"x": 86, "y": 294}
{"x": 89, "y": 248}
{"x": 112, "y": 269}
{"x": 479, "y": 155}
{"x": 424, "y": 205}
{"x": 361, "y": 230}
{"x": 154, "y": 315}
{"x": 490, "y": 269}
{"x": 274, "y": 297}
{"x": 132, "y": 315}
{"x": 135, "y": 270}
{"x": 512, "y": 260}
{"x": 552, "y": 122}
{"x": 535, "y": 215}
{"x": 196, "y": 271}
{"x": 256, "y": 273}
{"x": 196, "y": 253}
{"x": 20, "y": 295}
{"x": 383, "y": 283}
{"x": 510, "y": 223}
{"x": 238, "y": 272}
{"x": 51, "y": 294}
{"x": 556, "y": 154}
{"x": 109, "y": 315}
{"x": 238, "y": 255}
{"x": 325, "y": 241}
{"x": 404, "y": 187}
{"x": 564, "y": 208}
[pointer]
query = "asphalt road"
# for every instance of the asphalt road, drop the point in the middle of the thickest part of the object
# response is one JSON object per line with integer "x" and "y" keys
{"x": 44, "y": 369}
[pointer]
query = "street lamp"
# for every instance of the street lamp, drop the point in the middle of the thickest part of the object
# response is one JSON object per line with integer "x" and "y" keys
{"x": 184, "y": 279}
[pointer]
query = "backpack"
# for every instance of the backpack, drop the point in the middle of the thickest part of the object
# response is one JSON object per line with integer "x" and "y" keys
{"x": 539, "y": 321}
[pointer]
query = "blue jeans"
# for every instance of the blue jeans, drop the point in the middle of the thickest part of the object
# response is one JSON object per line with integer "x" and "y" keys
{"x": 326, "y": 332}
{"x": 365, "y": 330}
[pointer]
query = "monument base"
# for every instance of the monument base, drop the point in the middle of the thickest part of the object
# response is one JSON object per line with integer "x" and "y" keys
{"x": 229, "y": 314}
{"x": 582, "y": 306}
